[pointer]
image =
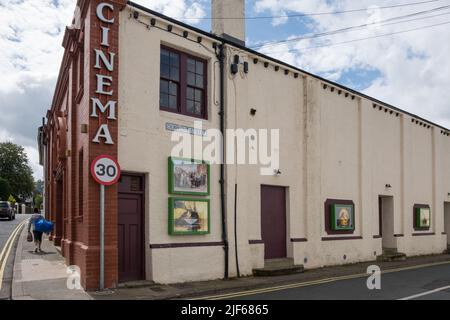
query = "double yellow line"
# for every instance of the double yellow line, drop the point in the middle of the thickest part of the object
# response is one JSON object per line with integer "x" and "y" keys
{"x": 4, "y": 254}
{"x": 314, "y": 282}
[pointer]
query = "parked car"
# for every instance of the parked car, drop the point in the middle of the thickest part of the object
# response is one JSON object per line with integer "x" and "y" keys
{"x": 6, "y": 211}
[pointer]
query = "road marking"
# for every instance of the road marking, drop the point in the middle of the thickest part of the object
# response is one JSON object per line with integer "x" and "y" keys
{"x": 7, "y": 250}
{"x": 7, "y": 241}
{"x": 425, "y": 293}
{"x": 314, "y": 282}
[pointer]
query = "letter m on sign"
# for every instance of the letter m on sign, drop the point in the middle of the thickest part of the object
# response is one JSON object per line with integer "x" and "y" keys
{"x": 111, "y": 105}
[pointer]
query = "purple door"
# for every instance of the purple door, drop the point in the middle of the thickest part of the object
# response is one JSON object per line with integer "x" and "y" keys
{"x": 130, "y": 228}
{"x": 273, "y": 221}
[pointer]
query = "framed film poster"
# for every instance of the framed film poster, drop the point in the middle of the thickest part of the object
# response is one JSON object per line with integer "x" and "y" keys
{"x": 189, "y": 177}
{"x": 342, "y": 217}
{"x": 189, "y": 216}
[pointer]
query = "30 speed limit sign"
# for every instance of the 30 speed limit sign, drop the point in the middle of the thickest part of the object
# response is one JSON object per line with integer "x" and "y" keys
{"x": 105, "y": 170}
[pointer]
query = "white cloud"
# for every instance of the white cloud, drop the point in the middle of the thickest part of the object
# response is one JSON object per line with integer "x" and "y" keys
{"x": 186, "y": 10}
{"x": 414, "y": 67}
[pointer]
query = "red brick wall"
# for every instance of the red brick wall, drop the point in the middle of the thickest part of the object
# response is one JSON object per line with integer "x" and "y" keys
{"x": 79, "y": 233}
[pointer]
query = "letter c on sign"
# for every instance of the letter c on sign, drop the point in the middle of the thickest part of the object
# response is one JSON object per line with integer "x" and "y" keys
{"x": 100, "y": 12}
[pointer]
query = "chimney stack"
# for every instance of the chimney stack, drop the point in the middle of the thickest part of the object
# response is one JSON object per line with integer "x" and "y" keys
{"x": 230, "y": 29}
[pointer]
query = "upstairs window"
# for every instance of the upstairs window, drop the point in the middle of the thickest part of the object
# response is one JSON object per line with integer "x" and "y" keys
{"x": 182, "y": 85}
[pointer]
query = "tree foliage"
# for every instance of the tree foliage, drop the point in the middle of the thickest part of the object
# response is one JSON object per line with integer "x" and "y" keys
{"x": 5, "y": 189}
{"x": 12, "y": 200}
{"x": 14, "y": 167}
{"x": 38, "y": 201}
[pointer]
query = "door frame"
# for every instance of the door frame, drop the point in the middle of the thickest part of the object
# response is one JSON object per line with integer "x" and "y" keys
{"x": 287, "y": 220}
{"x": 382, "y": 220}
{"x": 447, "y": 222}
{"x": 143, "y": 197}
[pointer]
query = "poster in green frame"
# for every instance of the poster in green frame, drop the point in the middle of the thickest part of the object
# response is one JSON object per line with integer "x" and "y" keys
{"x": 189, "y": 177}
{"x": 423, "y": 218}
{"x": 189, "y": 216}
{"x": 342, "y": 217}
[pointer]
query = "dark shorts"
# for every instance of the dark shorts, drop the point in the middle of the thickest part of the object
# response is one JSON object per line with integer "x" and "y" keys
{"x": 37, "y": 236}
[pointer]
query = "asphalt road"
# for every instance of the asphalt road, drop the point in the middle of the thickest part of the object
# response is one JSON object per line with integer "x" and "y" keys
{"x": 427, "y": 283}
{"x": 6, "y": 254}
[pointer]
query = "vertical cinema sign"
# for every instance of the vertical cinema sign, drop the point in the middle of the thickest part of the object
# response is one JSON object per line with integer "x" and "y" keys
{"x": 105, "y": 100}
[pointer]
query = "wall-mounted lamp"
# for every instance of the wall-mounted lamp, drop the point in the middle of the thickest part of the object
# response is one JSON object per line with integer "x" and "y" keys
{"x": 236, "y": 63}
{"x": 277, "y": 172}
{"x": 253, "y": 111}
{"x": 234, "y": 68}
{"x": 246, "y": 67}
{"x": 388, "y": 186}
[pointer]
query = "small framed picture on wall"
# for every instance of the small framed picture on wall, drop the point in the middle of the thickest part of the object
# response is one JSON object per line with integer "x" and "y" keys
{"x": 188, "y": 216}
{"x": 189, "y": 177}
{"x": 342, "y": 217}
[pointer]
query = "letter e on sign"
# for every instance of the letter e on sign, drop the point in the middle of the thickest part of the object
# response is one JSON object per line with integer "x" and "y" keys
{"x": 105, "y": 170}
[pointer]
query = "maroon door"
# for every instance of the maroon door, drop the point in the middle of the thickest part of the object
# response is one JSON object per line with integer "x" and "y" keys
{"x": 130, "y": 228}
{"x": 273, "y": 221}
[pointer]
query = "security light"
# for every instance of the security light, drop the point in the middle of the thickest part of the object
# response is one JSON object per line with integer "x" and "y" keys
{"x": 246, "y": 67}
{"x": 234, "y": 68}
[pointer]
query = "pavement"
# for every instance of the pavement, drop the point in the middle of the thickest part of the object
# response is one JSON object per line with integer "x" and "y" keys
{"x": 44, "y": 277}
{"x": 41, "y": 276}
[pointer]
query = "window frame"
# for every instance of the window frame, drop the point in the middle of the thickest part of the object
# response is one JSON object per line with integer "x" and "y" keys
{"x": 183, "y": 86}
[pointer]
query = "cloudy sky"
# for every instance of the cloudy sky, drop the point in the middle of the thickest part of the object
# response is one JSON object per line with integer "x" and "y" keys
{"x": 395, "y": 50}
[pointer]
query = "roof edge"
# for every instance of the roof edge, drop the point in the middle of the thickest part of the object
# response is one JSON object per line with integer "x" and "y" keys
{"x": 256, "y": 53}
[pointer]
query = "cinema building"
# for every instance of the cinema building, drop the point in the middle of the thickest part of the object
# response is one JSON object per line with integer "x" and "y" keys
{"x": 356, "y": 177}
